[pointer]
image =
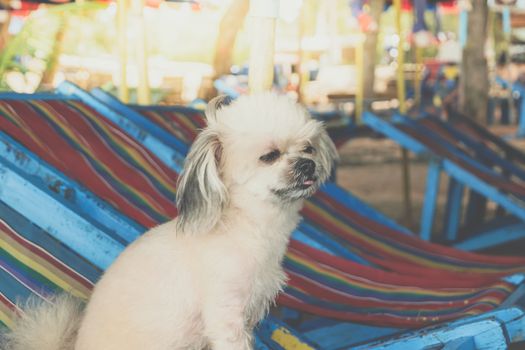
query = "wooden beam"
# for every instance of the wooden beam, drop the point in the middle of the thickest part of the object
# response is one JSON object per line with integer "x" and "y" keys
{"x": 122, "y": 15}
{"x": 141, "y": 52}
{"x": 263, "y": 15}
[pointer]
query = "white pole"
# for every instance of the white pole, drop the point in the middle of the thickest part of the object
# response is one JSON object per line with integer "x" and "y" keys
{"x": 263, "y": 15}
{"x": 122, "y": 15}
{"x": 141, "y": 52}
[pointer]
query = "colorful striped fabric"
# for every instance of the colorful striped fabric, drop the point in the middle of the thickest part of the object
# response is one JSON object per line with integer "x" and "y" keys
{"x": 414, "y": 284}
{"x": 83, "y": 145}
{"x": 34, "y": 263}
{"x": 183, "y": 123}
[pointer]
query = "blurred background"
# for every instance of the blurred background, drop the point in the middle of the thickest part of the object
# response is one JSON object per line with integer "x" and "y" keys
{"x": 192, "y": 44}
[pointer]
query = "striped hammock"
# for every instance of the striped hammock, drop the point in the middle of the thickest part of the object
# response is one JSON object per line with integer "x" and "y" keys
{"x": 411, "y": 283}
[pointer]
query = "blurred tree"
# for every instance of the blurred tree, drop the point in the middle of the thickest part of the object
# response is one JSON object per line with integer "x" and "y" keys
{"x": 376, "y": 9}
{"x": 230, "y": 25}
{"x": 474, "y": 83}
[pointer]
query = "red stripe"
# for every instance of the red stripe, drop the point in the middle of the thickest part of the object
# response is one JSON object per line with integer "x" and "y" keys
{"x": 72, "y": 163}
{"x": 507, "y": 185}
{"x": 322, "y": 292}
{"x": 433, "y": 278}
{"x": 385, "y": 320}
{"x": 46, "y": 256}
{"x": 413, "y": 242}
{"x": 91, "y": 139}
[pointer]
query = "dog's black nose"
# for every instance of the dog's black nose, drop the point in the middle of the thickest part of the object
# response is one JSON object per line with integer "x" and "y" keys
{"x": 305, "y": 167}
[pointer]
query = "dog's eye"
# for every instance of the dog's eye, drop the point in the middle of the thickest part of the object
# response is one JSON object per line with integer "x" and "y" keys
{"x": 270, "y": 156}
{"x": 309, "y": 149}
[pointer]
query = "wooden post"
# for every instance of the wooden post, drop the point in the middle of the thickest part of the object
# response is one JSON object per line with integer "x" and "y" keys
{"x": 359, "y": 63}
{"x": 418, "y": 76}
{"x": 122, "y": 14}
{"x": 402, "y": 109}
{"x": 263, "y": 15}
{"x": 141, "y": 52}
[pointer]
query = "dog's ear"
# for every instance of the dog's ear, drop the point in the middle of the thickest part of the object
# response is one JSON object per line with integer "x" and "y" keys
{"x": 201, "y": 194}
{"x": 328, "y": 155}
{"x": 215, "y": 104}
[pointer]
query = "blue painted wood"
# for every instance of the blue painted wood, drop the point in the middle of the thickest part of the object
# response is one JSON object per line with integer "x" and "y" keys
{"x": 515, "y": 326}
{"x": 482, "y": 152}
{"x": 511, "y": 318}
{"x": 58, "y": 219}
{"x": 431, "y": 193}
{"x": 346, "y": 334}
{"x": 36, "y": 96}
{"x": 463, "y": 343}
{"x": 511, "y": 300}
{"x": 394, "y": 133}
{"x": 160, "y": 108}
{"x": 398, "y": 118}
{"x": 453, "y": 209}
{"x": 512, "y": 153}
{"x": 166, "y": 153}
{"x": 511, "y": 204}
{"x": 82, "y": 200}
{"x": 267, "y": 329}
{"x": 487, "y": 334}
{"x": 494, "y": 237}
{"x": 139, "y": 120}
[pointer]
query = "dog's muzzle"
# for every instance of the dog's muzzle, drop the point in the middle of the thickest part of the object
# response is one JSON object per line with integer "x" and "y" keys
{"x": 304, "y": 173}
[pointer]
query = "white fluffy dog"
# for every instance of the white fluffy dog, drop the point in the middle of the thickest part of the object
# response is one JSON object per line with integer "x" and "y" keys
{"x": 205, "y": 279}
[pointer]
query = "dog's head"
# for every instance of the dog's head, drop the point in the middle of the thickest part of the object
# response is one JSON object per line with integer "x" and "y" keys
{"x": 263, "y": 147}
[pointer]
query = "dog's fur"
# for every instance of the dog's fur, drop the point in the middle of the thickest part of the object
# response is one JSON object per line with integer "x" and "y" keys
{"x": 205, "y": 279}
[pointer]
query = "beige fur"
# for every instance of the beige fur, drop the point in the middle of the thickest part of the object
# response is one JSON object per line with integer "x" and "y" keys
{"x": 207, "y": 278}
{"x": 45, "y": 325}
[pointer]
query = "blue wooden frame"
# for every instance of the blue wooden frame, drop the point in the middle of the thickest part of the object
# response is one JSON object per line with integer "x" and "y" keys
{"x": 487, "y": 159}
{"x": 59, "y": 218}
{"x": 467, "y": 179}
{"x": 495, "y": 331}
{"x": 135, "y": 117}
{"x": 27, "y": 164}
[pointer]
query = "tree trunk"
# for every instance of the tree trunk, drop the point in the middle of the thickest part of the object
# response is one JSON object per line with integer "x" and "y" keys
{"x": 230, "y": 25}
{"x": 474, "y": 88}
{"x": 376, "y": 9}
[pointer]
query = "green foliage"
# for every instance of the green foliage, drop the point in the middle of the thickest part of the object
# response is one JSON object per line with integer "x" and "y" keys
{"x": 33, "y": 51}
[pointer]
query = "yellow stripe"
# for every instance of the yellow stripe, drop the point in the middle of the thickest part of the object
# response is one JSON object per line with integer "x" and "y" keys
{"x": 72, "y": 288}
{"x": 423, "y": 261}
{"x": 377, "y": 286}
{"x": 288, "y": 341}
{"x": 147, "y": 199}
{"x": 7, "y": 319}
{"x": 133, "y": 153}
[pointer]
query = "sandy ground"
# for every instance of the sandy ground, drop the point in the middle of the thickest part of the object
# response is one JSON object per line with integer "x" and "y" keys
{"x": 371, "y": 169}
